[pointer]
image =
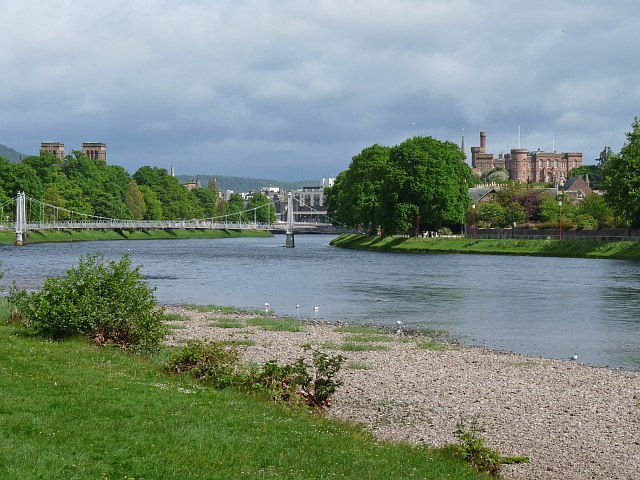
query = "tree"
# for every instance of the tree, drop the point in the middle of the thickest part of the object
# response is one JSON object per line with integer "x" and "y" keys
{"x": 265, "y": 211}
{"x": 489, "y": 214}
{"x": 235, "y": 205}
{"x": 596, "y": 207}
{"x": 134, "y": 200}
{"x": 497, "y": 174}
{"x": 152, "y": 206}
{"x": 622, "y": 178}
{"x": 430, "y": 175}
{"x": 206, "y": 200}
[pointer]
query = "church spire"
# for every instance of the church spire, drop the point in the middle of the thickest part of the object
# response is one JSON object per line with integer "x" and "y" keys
{"x": 173, "y": 173}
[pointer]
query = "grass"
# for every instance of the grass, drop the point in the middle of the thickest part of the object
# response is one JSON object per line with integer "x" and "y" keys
{"x": 361, "y": 347}
{"x": 361, "y": 329}
{"x": 175, "y": 317}
{"x": 549, "y": 248}
{"x": 70, "y": 410}
{"x": 369, "y": 337}
{"x": 214, "y": 308}
{"x": 243, "y": 342}
{"x": 227, "y": 323}
{"x": 37, "y": 236}
{"x": 280, "y": 324}
{"x": 357, "y": 366}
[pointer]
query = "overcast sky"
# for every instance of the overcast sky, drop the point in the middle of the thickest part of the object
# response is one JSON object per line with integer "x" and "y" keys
{"x": 291, "y": 89}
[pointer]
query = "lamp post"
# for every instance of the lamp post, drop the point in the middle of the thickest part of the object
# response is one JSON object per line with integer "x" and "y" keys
{"x": 473, "y": 214}
{"x": 560, "y": 207}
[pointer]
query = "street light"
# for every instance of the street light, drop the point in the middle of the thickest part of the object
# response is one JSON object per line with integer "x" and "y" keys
{"x": 560, "y": 206}
{"x": 473, "y": 213}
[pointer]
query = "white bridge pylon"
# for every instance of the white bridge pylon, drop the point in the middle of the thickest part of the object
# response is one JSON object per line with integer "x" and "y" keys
{"x": 33, "y": 214}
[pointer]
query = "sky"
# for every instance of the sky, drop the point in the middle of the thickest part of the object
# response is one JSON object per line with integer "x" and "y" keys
{"x": 293, "y": 89}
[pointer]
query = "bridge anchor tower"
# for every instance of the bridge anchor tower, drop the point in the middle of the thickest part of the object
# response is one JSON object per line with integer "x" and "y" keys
{"x": 290, "y": 241}
{"x": 21, "y": 219}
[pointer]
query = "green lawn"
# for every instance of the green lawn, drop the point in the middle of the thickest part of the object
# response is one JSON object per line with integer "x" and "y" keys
{"x": 69, "y": 410}
{"x": 550, "y": 248}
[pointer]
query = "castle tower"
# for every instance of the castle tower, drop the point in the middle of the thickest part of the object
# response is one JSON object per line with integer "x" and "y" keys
{"x": 56, "y": 148}
{"x": 95, "y": 151}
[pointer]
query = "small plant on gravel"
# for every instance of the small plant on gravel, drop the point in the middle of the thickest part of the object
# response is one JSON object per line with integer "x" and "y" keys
{"x": 175, "y": 317}
{"x": 214, "y": 363}
{"x": 284, "y": 324}
{"x": 473, "y": 448}
{"x": 227, "y": 323}
{"x": 217, "y": 364}
{"x": 361, "y": 347}
{"x": 105, "y": 301}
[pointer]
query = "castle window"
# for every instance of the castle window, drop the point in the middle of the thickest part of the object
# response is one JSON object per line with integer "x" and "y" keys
{"x": 556, "y": 163}
{"x": 548, "y": 163}
{"x": 575, "y": 164}
{"x": 540, "y": 163}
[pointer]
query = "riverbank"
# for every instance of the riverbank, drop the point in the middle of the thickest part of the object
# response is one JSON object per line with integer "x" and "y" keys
{"x": 53, "y": 236}
{"x": 572, "y": 421}
{"x": 622, "y": 250}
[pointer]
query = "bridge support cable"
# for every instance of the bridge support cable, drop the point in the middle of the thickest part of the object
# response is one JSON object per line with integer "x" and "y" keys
{"x": 21, "y": 219}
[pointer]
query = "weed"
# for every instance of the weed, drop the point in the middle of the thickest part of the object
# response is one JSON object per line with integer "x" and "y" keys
{"x": 474, "y": 450}
{"x": 358, "y": 366}
{"x": 214, "y": 363}
{"x": 6, "y": 310}
{"x": 369, "y": 337}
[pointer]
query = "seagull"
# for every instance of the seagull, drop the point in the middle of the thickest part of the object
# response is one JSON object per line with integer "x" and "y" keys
{"x": 297, "y": 305}
{"x": 266, "y": 307}
{"x": 315, "y": 309}
{"x": 575, "y": 357}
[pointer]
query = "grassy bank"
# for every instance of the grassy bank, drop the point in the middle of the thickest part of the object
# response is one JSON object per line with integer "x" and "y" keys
{"x": 547, "y": 248}
{"x": 71, "y": 410}
{"x": 7, "y": 237}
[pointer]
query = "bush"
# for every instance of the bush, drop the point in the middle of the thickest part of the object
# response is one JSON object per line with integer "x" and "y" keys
{"x": 214, "y": 363}
{"x": 217, "y": 364}
{"x": 474, "y": 450}
{"x": 105, "y": 301}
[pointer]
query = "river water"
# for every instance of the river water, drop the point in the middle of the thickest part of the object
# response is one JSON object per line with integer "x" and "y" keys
{"x": 551, "y": 307}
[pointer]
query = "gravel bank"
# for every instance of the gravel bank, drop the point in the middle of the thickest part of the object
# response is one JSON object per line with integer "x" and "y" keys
{"x": 572, "y": 421}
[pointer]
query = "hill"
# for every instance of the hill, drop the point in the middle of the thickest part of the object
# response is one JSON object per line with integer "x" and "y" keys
{"x": 245, "y": 184}
{"x": 10, "y": 154}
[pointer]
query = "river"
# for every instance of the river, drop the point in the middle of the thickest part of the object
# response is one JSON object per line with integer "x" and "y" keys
{"x": 550, "y": 307}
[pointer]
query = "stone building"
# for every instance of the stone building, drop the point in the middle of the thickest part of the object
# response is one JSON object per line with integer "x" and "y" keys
{"x": 95, "y": 151}
{"x": 56, "y": 148}
{"x": 524, "y": 165}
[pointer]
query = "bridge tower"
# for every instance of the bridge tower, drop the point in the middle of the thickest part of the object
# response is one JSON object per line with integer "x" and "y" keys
{"x": 21, "y": 219}
{"x": 290, "y": 242}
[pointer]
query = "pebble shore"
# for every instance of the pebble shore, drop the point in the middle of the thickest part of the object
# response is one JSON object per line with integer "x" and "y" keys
{"x": 573, "y": 421}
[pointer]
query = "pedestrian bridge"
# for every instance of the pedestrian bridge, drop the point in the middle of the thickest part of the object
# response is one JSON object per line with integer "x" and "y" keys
{"x": 39, "y": 215}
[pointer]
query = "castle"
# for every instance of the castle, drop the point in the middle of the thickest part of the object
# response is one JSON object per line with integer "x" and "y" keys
{"x": 93, "y": 150}
{"x": 524, "y": 165}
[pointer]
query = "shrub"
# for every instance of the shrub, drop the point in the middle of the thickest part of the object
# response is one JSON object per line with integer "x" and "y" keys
{"x": 475, "y": 451}
{"x": 106, "y": 301}
{"x": 214, "y": 363}
{"x": 217, "y": 364}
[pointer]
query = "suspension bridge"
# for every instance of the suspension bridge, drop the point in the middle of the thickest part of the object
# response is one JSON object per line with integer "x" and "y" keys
{"x": 23, "y": 214}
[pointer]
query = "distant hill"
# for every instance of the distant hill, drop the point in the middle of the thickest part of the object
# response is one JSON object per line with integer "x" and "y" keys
{"x": 244, "y": 184}
{"x": 10, "y": 154}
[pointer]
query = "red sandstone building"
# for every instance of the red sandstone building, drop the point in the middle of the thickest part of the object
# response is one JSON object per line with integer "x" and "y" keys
{"x": 93, "y": 150}
{"x": 524, "y": 165}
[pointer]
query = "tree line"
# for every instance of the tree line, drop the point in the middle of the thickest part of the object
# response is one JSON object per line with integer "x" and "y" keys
{"x": 91, "y": 187}
{"x": 422, "y": 184}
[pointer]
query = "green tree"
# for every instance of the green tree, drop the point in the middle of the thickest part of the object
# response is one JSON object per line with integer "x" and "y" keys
{"x": 497, "y": 174}
{"x": 356, "y": 194}
{"x": 265, "y": 211}
{"x": 206, "y": 200}
{"x": 235, "y": 205}
{"x": 622, "y": 178}
{"x": 596, "y": 207}
{"x": 430, "y": 175}
{"x": 19, "y": 177}
{"x": 489, "y": 214}
{"x": 134, "y": 201}
{"x": 152, "y": 205}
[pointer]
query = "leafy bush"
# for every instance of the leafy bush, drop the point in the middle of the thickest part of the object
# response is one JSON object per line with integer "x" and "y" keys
{"x": 214, "y": 363}
{"x": 475, "y": 451}
{"x": 217, "y": 364}
{"x": 106, "y": 301}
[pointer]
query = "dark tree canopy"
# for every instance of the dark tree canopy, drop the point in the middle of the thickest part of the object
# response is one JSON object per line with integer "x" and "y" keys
{"x": 422, "y": 179}
{"x": 622, "y": 178}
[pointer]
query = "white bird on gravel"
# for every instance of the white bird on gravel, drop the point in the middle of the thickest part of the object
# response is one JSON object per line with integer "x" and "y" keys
{"x": 315, "y": 309}
{"x": 575, "y": 357}
{"x": 266, "y": 307}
